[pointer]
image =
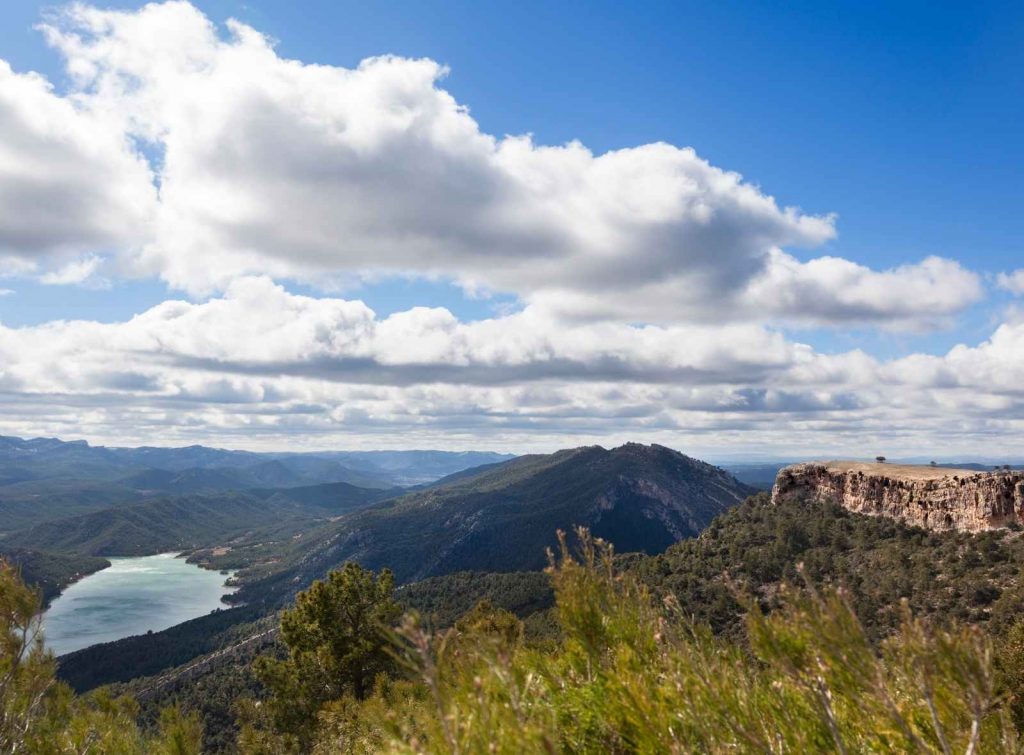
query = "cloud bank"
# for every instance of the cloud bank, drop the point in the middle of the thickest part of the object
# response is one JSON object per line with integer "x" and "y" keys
{"x": 261, "y": 363}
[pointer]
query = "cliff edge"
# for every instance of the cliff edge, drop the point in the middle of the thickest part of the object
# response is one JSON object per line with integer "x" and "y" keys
{"x": 931, "y": 497}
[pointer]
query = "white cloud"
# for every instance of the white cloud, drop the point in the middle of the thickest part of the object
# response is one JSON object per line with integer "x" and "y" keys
{"x": 1012, "y": 282}
{"x": 259, "y": 328}
{"x": 829, "y": 290}
{"x": 76, "y": 273}
{"x": 69, "y": 181}
{"x": 313, "y": 173}
{"x": 262, "y": 366}
{"x": 6, "y": 291}
{"x": 274, "y": 169}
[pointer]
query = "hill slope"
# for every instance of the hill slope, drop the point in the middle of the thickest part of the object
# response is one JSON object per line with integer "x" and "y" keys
{"x": 642, "y": 498}
{"x": 155, "y": 526}
{"x": 50, "y": 573}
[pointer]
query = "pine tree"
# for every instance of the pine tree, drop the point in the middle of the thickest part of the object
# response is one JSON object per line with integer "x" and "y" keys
{"x": 338, "y": 643}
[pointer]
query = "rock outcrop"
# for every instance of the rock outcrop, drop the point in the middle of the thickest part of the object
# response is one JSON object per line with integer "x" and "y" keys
{"x": 931, "y": 497}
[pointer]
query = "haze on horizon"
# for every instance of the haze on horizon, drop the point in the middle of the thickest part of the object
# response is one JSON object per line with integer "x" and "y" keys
{"x": 231, "y": 226}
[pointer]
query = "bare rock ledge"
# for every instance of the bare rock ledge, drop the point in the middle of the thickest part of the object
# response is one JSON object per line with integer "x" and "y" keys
{"x": 931, "y": 497}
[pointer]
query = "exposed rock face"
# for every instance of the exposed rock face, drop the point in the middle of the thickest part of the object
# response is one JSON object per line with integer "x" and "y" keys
{"x": 936, "y": 498}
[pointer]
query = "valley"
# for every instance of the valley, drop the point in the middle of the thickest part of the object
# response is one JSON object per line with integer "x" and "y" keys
{"x": 690, "y": 532}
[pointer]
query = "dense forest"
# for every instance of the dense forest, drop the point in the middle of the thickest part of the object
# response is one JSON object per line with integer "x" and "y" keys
{"x": 49, "y": 572}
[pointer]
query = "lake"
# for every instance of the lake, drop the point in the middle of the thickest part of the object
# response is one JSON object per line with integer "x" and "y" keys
{"x": 131, "y": 596}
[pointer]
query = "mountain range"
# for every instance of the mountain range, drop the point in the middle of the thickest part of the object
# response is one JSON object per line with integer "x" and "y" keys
{"x": 499, "y": 518}
{"x": 46, "y": 479}
{"x": 51, "y": 458}
{"x": 687, "y": 529}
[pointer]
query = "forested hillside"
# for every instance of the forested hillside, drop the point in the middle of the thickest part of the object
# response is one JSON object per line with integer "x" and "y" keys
{"x": 505, "y": 517}
{"x": 502, "y": 517}
{"x": 50, "y": 573}
{"x": 627, "y": 670}
{"x": 157, "y": 526}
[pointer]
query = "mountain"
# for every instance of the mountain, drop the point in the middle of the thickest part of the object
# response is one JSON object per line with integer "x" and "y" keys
{"x": 274, "y": 473}
{"x": 45, "y": 479}
{"x": 188, "y": 522}
{"x": 499, "y": 517}
{"x": 932, "y": 497}
{"x": 641, "y": 498}
{"x": 51, "y": 458}
{"x": 194, "y": 480}
{"x": 328, "y": 499}
{"x": 410, "y": 468}
{"x": 24, "y": 504}
{"x": 154, "y": 526}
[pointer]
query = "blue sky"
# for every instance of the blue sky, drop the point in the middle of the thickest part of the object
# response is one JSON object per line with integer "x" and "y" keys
{"x": 902, "y": 119}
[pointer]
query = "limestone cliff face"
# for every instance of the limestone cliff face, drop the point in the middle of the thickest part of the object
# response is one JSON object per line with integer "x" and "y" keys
{"x": 936, "y": 498}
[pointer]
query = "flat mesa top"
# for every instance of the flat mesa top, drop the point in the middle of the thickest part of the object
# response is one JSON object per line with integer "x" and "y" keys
{"x": 904, "y": 471}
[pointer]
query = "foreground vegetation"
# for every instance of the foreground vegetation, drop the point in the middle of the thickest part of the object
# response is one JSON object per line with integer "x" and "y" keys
{"x": 41, "y": 715}
{"x": 628, "y": 674}
{"x": 748, "y": 553}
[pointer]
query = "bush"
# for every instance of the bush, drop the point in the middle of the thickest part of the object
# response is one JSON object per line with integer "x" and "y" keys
{"x": 634, "y": 675}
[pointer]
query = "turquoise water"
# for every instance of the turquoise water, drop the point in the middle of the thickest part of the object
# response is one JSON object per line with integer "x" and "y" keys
{"x": 131, "y": 596}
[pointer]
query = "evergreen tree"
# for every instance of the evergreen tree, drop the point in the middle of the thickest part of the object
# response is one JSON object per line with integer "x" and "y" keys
{"x": 338, "y": 642}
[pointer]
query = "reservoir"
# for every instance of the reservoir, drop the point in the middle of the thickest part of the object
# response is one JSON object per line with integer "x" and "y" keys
{"x": 131, "y": 596}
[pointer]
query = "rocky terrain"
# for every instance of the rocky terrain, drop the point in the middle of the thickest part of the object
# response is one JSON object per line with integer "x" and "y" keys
{"x": 933, "y": 497}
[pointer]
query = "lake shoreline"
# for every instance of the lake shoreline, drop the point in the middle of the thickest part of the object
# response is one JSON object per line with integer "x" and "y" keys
{"x": 188, "y": 555}
{"x": 47, "y": 601}
{"x": 134, "y": 595}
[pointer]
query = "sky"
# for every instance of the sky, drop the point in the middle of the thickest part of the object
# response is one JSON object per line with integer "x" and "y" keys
{"x": 733, "y": 228}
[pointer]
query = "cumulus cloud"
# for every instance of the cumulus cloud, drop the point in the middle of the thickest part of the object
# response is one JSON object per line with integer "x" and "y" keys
{"x": 829, "y": 290}
{"x": 1012, "y": 282}
{"x": 258, "y": 328}
{"x": 312, "y": 172}
{"x": 69, "y": 180}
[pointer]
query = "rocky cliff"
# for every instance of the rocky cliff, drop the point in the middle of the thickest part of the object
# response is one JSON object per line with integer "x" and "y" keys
{"x": 932, "y": 497}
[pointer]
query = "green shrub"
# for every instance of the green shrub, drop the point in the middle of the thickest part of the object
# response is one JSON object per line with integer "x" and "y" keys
{"x": 634, "y": 675}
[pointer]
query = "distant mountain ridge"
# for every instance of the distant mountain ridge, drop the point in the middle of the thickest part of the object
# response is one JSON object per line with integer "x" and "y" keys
{"x": 45, "y": 479}
{"x": 44, "y": 458}
{"x": 196, "y": 520}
